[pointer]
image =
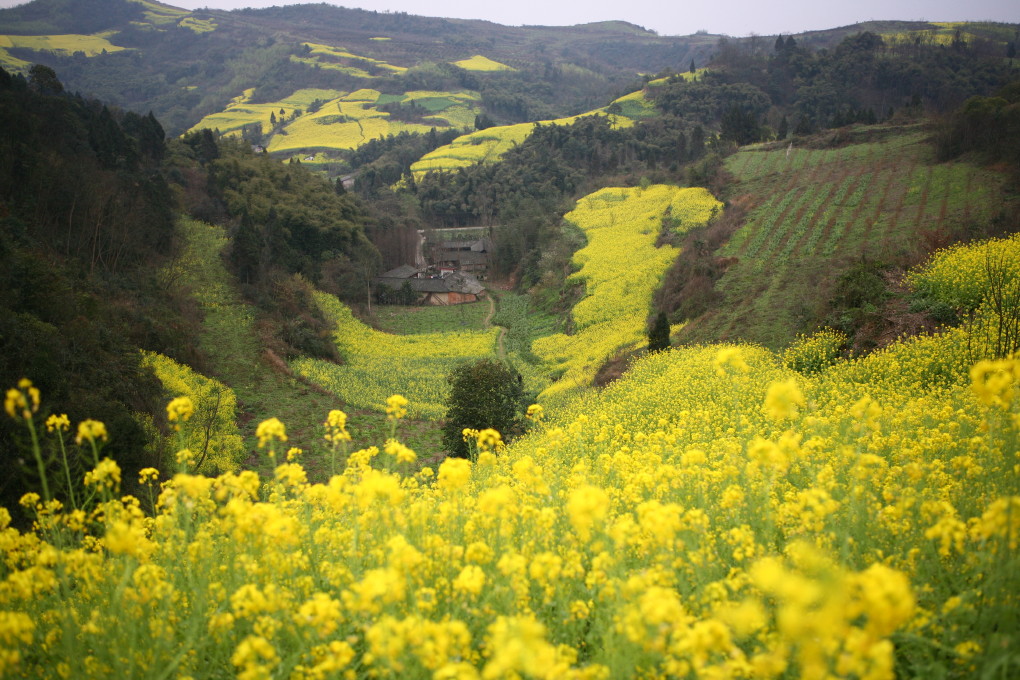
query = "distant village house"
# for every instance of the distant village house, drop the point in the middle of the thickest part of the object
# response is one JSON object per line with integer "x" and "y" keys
{"x": 407, "y": 285}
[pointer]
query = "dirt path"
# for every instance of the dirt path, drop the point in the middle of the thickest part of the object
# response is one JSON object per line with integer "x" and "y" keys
{"x": 500, "y": 349}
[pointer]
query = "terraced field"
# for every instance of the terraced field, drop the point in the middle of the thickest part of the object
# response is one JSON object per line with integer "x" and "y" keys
{"x": 242, "y": 111}
{"x": 483, "y": 64}
{"x": 819, "y": 210}
{"x": 487, "y": 146}
{"x": 377, "y": 365}
{"x": 89, "y": 45}
{"x": 340, "y": 120}
{"x": 340, "y": 59}
{"x": 156, "y": 15}
{"x": 620, "y": 268}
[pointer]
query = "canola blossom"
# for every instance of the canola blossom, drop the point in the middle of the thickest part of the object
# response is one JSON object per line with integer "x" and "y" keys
{"x": 378, "y": 365}
{"x": 339, "y": 59}
{"x": 668, "y": 526}
{"x": 243, "y": 111}
{"x": 962, "y": 275}
{"x": 340, "y": 120}
{"x": 620, "y": 268}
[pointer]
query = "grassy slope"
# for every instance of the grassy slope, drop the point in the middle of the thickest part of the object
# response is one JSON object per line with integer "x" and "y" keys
{"x": 236, "y": 357}
{"x": 819, "y": 210}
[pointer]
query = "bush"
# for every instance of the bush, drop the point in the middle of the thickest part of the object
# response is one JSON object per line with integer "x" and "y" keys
{"x": 483, "y": 394}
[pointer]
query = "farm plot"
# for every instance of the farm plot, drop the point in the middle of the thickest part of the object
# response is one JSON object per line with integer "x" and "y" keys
{"x": 339, "y": 59}
{"x": 818, "y": 206}
{"x": 89, "y": 45}
{"x": 378, "y": 365}
{"x": 242, "y": 111}
{"x": 482, "y": 64}
{"x": 314, "y": 120}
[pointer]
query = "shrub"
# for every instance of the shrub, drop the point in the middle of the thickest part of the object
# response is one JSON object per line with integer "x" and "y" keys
{"x": 483, "y": 394}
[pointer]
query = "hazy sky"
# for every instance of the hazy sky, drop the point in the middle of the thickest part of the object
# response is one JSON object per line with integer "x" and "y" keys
{"x": 732, "y": 17}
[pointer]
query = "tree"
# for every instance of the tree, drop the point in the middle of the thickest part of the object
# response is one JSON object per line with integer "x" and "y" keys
{"x": 483, "y": 122}
{"x": 740, "y": 126}
{"x": 658, "y": 336}
{"x": 483, "y": 394}
{"x": 784, "y": 128}
{"x": 44, "y": 79}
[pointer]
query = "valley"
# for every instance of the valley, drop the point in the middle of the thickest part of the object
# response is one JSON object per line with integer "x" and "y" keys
{"x": 705, "y": 362}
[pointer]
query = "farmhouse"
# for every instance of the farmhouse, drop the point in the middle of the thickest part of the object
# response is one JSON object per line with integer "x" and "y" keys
{"x": 452, "y": 289}
{"x": 465, "y": 256}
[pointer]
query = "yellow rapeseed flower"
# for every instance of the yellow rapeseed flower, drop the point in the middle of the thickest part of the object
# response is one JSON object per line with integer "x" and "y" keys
{"x": 470, "y": 580}
{"x": 489, "y": 440}
{"x": 782, "y": 400}
{"x": 994, "y": 382}
{"x": 396, "y": 407}
{"x": 90, "y": 430}
{"x": 454, "y": 474}
{"x": 730, "y": 358}
{"x": 15, "y": 403}
{"x": 179, "y": 410}
{"x": 55, "y": 422}
{"x": 105, "y": 475}
{"x": 402, "y": 453}
{"x": 270, "y": 430}
{"x": 147, "y": 476}
{"x": 336, "y": 427}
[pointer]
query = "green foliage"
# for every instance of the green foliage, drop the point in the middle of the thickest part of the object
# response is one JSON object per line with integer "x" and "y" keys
{"x": 483, "y": 394}
{"x": 409, "y": 320}
{"x": 858, "y": 296}
{"x": 288, "y": 220}
{"x": 989, "y": 126}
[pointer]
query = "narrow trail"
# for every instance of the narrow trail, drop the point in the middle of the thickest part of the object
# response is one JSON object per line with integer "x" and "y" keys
{"x": 487, "y": 323}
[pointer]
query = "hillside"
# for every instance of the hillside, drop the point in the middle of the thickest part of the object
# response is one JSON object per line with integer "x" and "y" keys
{"x": 873, "y": 198}
{"x": 715, "y": 512}
{"x": 188, "y": 65}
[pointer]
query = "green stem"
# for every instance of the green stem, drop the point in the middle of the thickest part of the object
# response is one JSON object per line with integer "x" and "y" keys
{"x": 67, "y": 471}
{"x": 38, "y": 459}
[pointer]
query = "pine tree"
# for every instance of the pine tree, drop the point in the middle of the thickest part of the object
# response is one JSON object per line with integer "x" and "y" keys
{"x": 658, "y": 336}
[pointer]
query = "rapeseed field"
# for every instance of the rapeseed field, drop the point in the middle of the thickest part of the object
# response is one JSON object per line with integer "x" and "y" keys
{"x": 715, "y": 513}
